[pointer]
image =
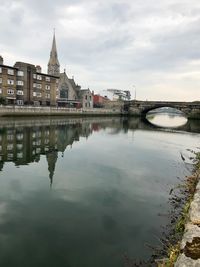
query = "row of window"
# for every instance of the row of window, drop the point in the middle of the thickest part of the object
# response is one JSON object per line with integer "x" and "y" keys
{"x": 38, "y": 134}
{"x": 39, "y": 86}
{"x": 11, "y": 82}
{"x": 39, "y": 77}
{"x": 12, "y": 92}
{"x": 36, "y": 94}
{"x": 11, "y": 72}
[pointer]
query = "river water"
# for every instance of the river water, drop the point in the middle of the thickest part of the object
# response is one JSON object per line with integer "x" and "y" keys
{"x": 78, "y": 192}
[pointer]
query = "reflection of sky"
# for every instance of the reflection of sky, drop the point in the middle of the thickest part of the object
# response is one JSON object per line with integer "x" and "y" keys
{"x": 105, "y": 199}
{"x": 165, "y": 120}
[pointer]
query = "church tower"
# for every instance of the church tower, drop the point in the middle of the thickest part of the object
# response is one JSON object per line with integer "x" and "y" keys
{"x": 54, "y": 65}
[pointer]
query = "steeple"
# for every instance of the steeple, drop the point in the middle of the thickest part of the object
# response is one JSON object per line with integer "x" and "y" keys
{"x": 51, "y": 160}
{"x": 54, "y": 65}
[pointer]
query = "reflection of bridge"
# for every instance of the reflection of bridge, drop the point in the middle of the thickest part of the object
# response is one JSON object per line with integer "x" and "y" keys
{"x": 140, "y": 108}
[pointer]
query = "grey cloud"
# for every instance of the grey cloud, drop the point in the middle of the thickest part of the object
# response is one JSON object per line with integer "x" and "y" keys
{"x": 117, "y": 41}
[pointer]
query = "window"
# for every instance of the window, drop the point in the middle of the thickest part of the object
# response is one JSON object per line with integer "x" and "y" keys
{"x": 46, "y": 141}
{"x": 37, "y": 85}
{"x": 10, "y": 71}
{"x": 39, "y": 77}
{"x": 39, "y": 94}
{"x": 20, "y": 83}
{"x": 47, "y": 87}
{"x": 19, "y": 146}
{"x": 20, "y": 155}
{"x": 46, "y": 132}
{"x": 19, "y": 136}
{"x": 86, "y": 97}
{"x": 0, "y": 69}
{"x": 20, "y": 102}
{"x": 10, "y": 92}
{"x": 0, "y": 80}
{"x": 47, "y": 95}
{"x": 10, "y": 156}
{"x": 10, "y": 82}
{"x": 20, "y": 73}
{"x": 0, "y": 91}
{"x": 34, "y": 93}
{"x": 19, "y": 92}
{"x": 38, "y": 150}
{"x": 10, "y": 137}
{"x": 10, "y": 147}
{"x": 48, "y": 79}
{"x": 34, "y": 76}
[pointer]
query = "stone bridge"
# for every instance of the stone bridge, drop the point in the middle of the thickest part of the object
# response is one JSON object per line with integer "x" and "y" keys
{"x": 140, "y": 108}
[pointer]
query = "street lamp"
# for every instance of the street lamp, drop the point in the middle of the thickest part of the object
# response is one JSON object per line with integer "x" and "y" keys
{"x": 134, "y": 88}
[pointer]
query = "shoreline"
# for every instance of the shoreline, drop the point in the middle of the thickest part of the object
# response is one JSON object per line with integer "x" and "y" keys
{"x": 190, "y": 244}
{"x": 185, "y": 252}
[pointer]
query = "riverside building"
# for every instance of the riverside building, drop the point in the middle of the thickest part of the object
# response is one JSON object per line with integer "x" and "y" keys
{"x": 25, "y": 84}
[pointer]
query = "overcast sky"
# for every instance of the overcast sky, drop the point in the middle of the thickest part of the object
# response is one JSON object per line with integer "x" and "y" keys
{"x": 153, "y": 46}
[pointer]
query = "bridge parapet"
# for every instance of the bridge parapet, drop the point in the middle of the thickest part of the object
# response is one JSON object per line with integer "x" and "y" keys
{"x": 140, "y": 108}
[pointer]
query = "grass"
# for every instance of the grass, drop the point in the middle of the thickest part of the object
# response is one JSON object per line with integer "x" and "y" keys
{"x": 190, "y": 188}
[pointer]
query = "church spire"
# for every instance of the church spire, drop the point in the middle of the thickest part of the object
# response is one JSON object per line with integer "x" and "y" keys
{"x": 53, "y": 65}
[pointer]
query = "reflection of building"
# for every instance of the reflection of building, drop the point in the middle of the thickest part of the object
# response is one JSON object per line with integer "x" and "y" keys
{"x": 23, "y": 145}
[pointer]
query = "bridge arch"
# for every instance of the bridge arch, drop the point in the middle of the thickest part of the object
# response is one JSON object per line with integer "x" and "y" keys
{"x": 145, "y": 110}
{"x": 140, "y": 108}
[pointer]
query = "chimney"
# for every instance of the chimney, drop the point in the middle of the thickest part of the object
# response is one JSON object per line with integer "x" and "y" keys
{"x": 38, "y": 69}
{"x": 1, "y": 60}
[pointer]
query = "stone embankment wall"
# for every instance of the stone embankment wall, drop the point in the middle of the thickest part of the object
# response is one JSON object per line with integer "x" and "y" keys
{"x": 190, "y": 244}
{"x": 53, "y": 111}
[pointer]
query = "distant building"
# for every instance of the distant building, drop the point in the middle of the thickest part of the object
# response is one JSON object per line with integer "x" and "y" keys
{"x": 99, "y": 101}
{"x": 86, "y": 98}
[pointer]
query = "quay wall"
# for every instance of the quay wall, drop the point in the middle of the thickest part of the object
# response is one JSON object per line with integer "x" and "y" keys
{"x": 190, "y": 243}
{"x": 7, "y": 111}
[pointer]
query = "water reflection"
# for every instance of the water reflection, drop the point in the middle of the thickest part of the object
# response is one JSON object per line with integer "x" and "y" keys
{"x": 109, "y": 180}
{"x": 23, "y": 141}
{"x": 169, "y": 120}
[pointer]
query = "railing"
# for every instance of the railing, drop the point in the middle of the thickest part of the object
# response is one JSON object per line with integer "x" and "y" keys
{"x": 53, "y": 110}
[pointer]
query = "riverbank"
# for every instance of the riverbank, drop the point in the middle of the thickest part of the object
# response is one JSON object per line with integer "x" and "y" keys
{"x": 190, "y": 244}
{"x": 186, "y": 253}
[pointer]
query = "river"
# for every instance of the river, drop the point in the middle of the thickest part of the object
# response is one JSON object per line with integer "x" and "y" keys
{"x": 78, "y": 192}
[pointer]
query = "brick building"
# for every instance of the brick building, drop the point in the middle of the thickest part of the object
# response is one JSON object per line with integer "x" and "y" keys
{"x": 24, "y": 84}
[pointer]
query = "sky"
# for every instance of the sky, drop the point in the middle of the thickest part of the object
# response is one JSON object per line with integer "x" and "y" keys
{"x": 145, "y": 46}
